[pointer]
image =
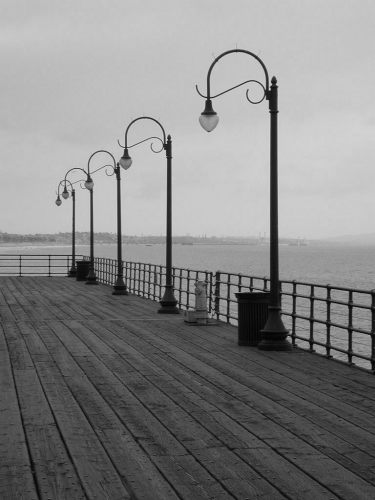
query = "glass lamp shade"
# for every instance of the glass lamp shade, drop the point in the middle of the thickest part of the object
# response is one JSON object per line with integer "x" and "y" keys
{"x": 58, "y": 201}
{"x": 125, "y": 160}
{"x": 65, "y": 194}
{"x": 208, "y": 118}
{"x": 89, "y": 184}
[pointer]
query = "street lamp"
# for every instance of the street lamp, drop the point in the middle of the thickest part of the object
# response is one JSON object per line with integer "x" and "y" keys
{"x": 119, "y": 287}
{"x": 168, "y": 302}
{"x": 274, "y": 333}
{"x": 65, "y": 195}
{"x": 89, "y": 184}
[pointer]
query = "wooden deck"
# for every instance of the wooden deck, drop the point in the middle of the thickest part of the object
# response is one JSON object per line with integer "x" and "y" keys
{"x": 103, "y": 398}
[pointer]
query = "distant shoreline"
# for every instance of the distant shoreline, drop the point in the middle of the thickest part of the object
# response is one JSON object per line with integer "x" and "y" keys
{"x": 311, "y": 243}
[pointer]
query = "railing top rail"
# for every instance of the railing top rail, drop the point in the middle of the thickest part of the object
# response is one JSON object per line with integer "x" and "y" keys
{"x": 328, "y": 286}
{"x": 31, "y": 255}
{"x": 174, "y": 267}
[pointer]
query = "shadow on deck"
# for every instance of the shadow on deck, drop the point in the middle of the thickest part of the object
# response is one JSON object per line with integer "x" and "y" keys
{"x": 103, "y": 398}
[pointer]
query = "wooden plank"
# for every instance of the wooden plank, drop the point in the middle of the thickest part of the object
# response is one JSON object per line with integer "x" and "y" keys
{"x": 16, "y": 473}
{"x": 235, "y": 406}
{"x": 283, "y": 387}
{"x": 51, "y": 463}
{"x": 96, "y": 472}
{"x": 147, "y": 391}
{"x": 193, "y": 412}
{"x": 151, "y": 434}
{"x": 283, "y": 390}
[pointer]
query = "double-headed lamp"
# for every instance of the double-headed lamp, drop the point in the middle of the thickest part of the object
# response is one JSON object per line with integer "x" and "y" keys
{"x": 208, "y": 118}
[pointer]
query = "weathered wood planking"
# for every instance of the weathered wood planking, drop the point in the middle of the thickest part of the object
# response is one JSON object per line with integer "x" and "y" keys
{"x": 104, "y": 398}
{"x": 16, "y": 473}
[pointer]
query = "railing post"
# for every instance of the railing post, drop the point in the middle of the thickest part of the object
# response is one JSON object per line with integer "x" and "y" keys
{"x": 144, "y": 279}
{"x": 228, "y": 296}
{"x": 328, "y": 322}
{"x": 239, "y": 284}
{"x": 209, "y": 282}
{"x": 180, "y": 287}
{"x": 294, "y": 312}
{"x": 160, "y": 282}
{"x": 373, "y": 330}
{"x": 311, "y": 318}
{"x": 149, "y": 280}
{"x": 155, "y": 283}
{"x": 217, "y": 293}
{"x": 174, "y": 279}
{"x": 350, "y": 328}
{"x": 132, "y": 276}
{"x": 187, "y": 288}
{"x": 20, "y": 266}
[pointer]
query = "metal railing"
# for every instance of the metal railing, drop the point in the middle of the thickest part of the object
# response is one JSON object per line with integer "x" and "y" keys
{"x": 35, "y": 265}
{"x": 148, "y": 280}
{"x": 337, "y": 322}
{"x": 334, "y": 321}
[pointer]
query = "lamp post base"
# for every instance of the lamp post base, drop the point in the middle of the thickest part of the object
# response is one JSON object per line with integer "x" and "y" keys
{"x": 72, "y": 272}
{"x": 274, "y": 333}
{"x": 168, "y": 302}
{"x": 91, "y": 278}
{"x": 119, "y": 288}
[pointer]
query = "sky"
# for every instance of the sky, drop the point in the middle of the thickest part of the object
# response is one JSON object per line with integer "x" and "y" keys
{"x": 76, "y": 73}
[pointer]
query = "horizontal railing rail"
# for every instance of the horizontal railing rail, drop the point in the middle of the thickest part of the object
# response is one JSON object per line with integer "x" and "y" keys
{"x": 36, "y": 264}
{"x": 335, "y": 321}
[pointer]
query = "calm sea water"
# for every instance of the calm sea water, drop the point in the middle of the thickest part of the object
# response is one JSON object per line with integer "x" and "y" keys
{"x": 340, "y": 265}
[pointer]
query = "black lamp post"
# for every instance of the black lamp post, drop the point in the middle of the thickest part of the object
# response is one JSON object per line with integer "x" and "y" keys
{"x": 119, "y": 287}
{"x": 168, "y": 301}
{"x": 274, "y": 332}
{"x": 65, "y": 194}
{"x": 89, "y": 184}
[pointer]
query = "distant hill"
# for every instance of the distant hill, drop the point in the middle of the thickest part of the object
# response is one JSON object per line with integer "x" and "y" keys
{"x": 103, "y": 237}
{"x": 354, "y": 239}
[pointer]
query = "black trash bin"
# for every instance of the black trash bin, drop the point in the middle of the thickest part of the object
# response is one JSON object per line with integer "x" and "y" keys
{"x": 83, "y": 267}
{"x": 252, "y": 316}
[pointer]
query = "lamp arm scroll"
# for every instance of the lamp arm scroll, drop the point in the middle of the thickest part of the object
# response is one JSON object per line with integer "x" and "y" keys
{"x": 144, "y": 118}
{"x": 101, "y": 151}
{"x": 75, "y": 168}
{"x": 264, "y": 87}
{"x": 145, "y": 140}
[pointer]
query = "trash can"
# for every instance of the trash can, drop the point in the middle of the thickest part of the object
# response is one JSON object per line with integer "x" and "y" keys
{"x": 83, "y": 267}
{"x": 252, "y": 316}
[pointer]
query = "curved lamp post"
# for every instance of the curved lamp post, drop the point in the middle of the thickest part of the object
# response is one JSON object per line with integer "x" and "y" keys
{"x": 168, "y": 301}
{"x": 274, "y": 332}
{"x": 89, "y": 184}
{"x": 119, "y": 287}
{"x": 65, "y": 195}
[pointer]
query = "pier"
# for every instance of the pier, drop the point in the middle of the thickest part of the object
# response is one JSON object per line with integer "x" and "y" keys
{"x": 103, "y": 398}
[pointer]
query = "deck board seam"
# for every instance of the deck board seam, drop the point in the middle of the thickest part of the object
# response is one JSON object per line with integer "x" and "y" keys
{"x": 158, "y": 419}
{"x": 29, "y": 453}
{"x": 303, "y": 471}
{"x": 275, "y": 421}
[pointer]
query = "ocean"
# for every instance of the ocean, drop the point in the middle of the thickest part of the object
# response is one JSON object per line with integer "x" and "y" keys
{"x": 338, "y": 265}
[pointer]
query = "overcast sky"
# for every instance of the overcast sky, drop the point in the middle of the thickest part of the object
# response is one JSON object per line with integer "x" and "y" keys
{"x": 76, "y": 72}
